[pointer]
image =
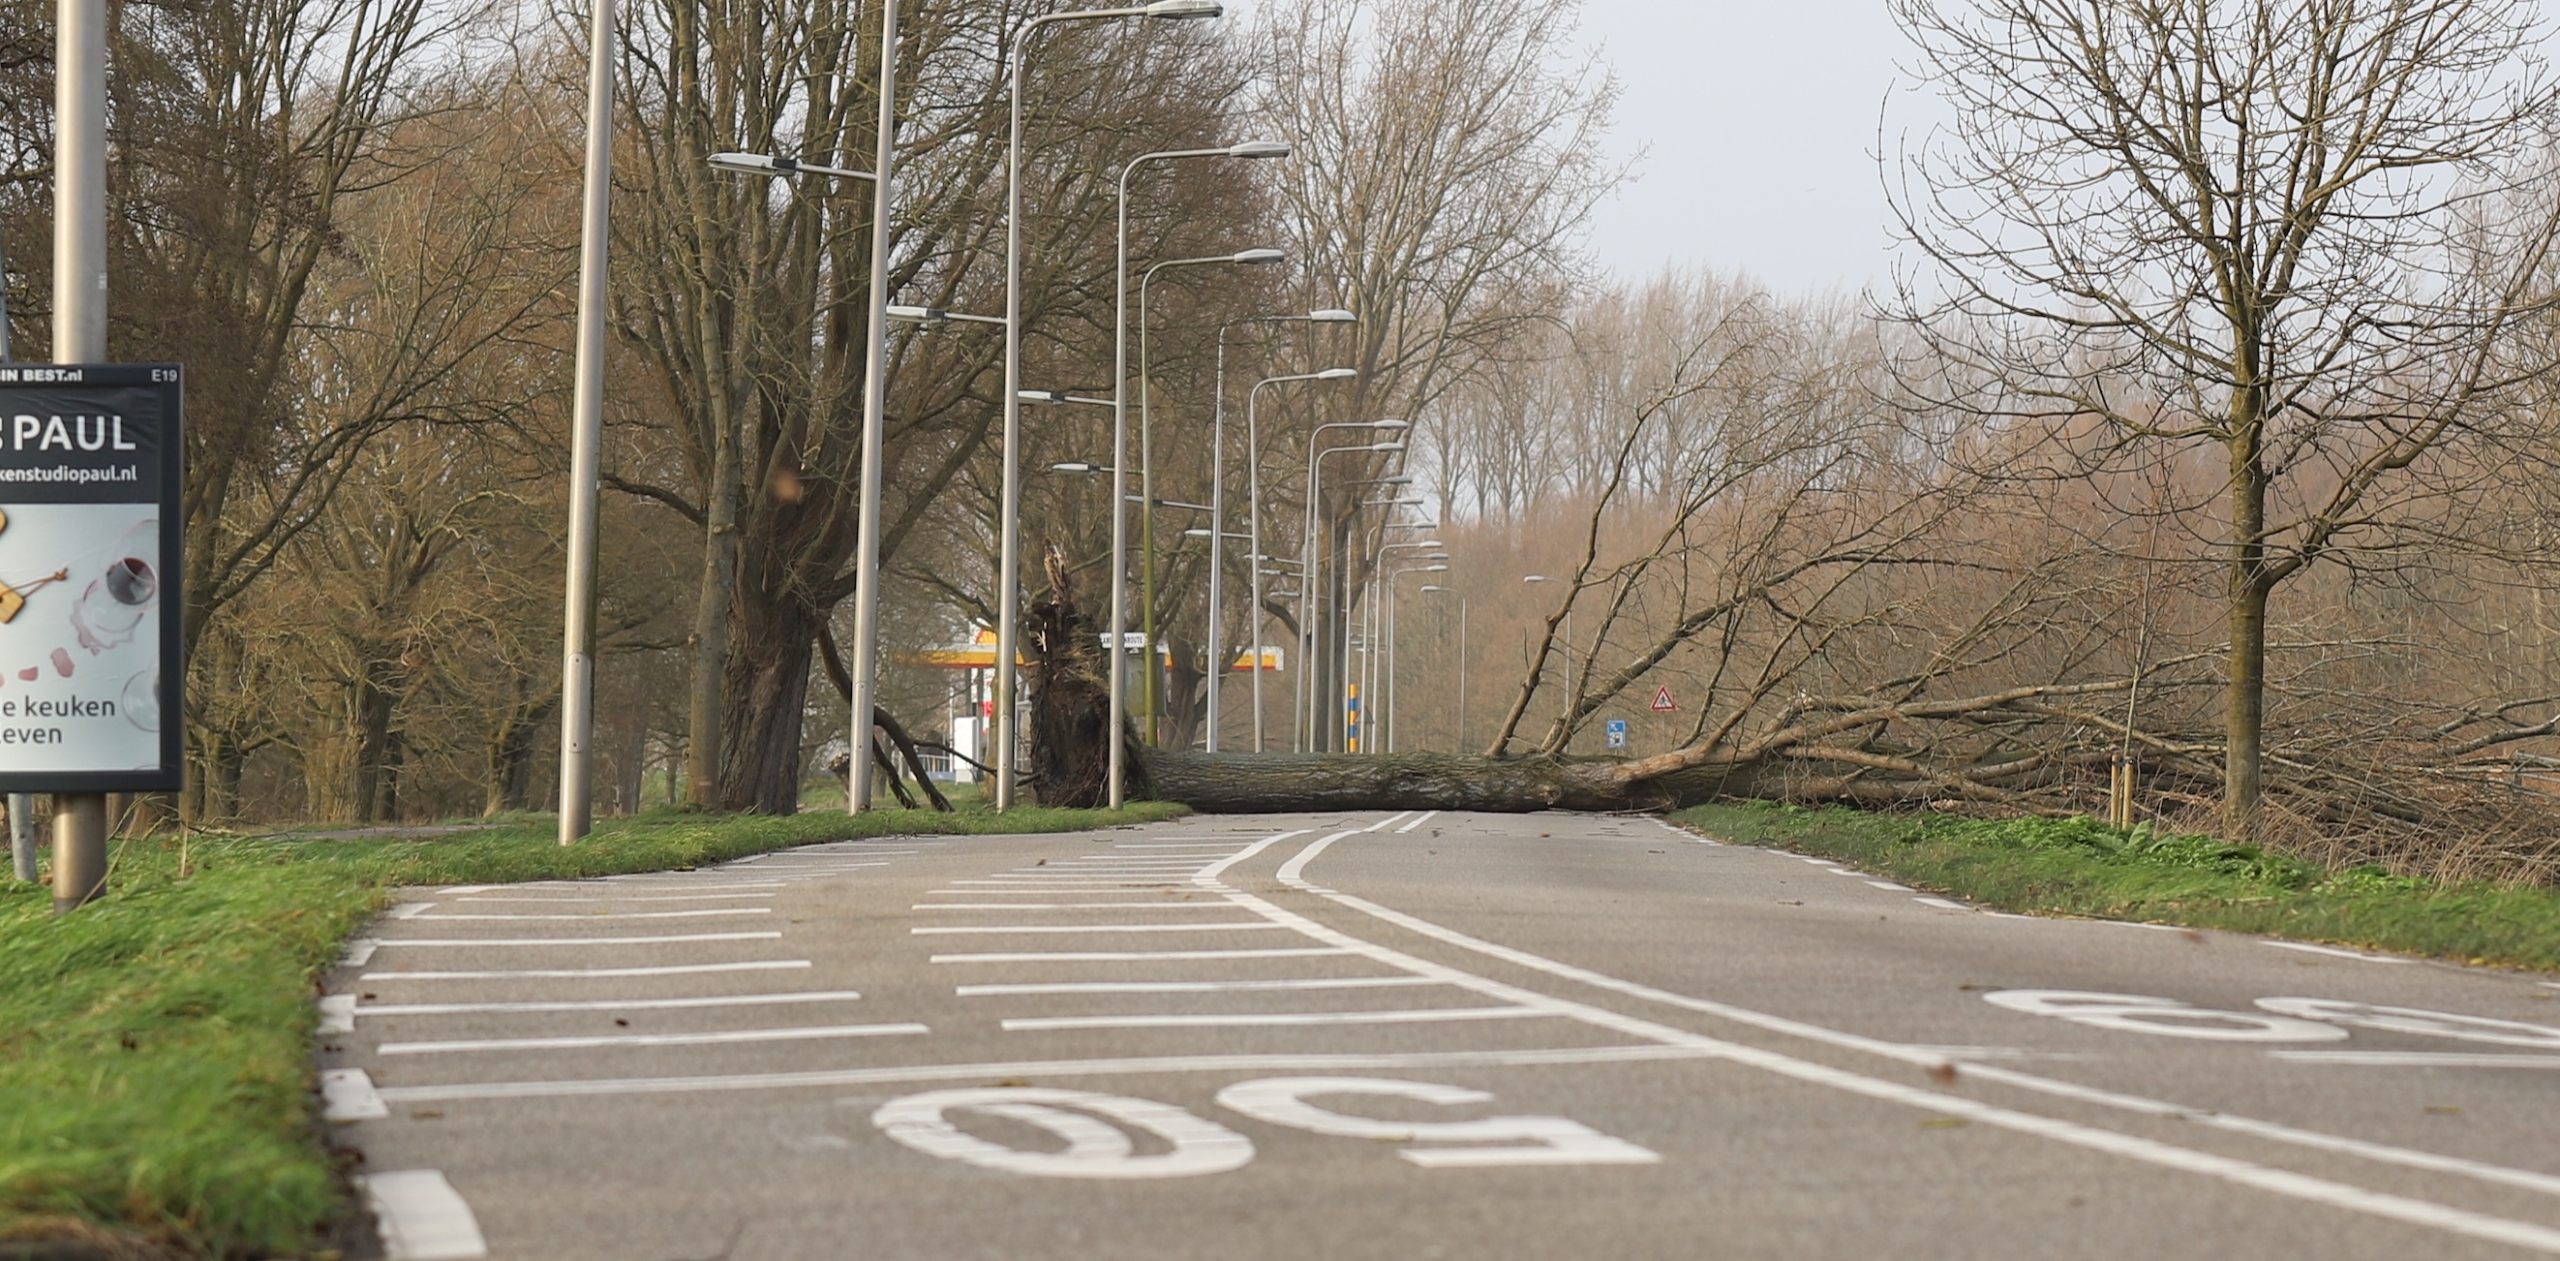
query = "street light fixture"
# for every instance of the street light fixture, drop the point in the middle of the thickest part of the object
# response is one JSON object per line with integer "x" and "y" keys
{"x": 764, "y": 164}
{"x": 1009, "y": 509}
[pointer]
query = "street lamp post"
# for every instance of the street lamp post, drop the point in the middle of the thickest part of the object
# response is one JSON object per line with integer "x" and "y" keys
{"x": 1253, "y": 512}
{"x": 1009, "y": 510}
{"x": 586, "y": 441}
{"x": 1458, "y": 739}
{"x": 1147, "y": 476}
{"x": 1119, "y": 762}
{"x": 1218, "y": 514}
{"x": 1306, "y": 553}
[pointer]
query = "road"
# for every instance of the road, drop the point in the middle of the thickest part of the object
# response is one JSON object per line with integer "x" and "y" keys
{"x": 1407, "y": 1036}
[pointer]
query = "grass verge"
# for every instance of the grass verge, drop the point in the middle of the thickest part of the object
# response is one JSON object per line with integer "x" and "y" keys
{"x": 155, "y": 1047}
{"x": 2082, "y": 867}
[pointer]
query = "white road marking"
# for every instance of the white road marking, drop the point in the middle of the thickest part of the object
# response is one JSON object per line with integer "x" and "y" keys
{"x": 600, "y": 1004}
{"x": 347, "y": 1094}
{"x": 359, "y": 950}
{"x": 1889, "y": 886}
{"x": 1018, "y": 891}
{"x": 1426, "y": 818}
{"x": 596, "y": 915}
{"x": 769, "y": 935}
{"x": 1221, "y": 847}
{"x": 1094, "y": 1149}
{"x": 2240, "y": 1172}
{"x": 1942, "y": 904}
{"x": 1275, "y": 1019}
{"x": 1256, "y": 926}
{"x": 2433, "y": 1024}
{"x": 1134, "y": 1065}
{"x": 1555, "y": 1140}
{"x": 2335, "y": 953}
{"x": 2170, "y": 1017}
{"x": 421, "y": 1216}
{"x": 646, "y": 897}
{"x": 1191, "y": 987}
{"x": 720, "y": 1038}
{"x": 2419, "y": 1059}
{"x": 1173, "y": 905}
{"x": 678, "y": 969}
{"x": 1140, "y": 956}
{"x": 1071, "y": 880}
{"x": 408, "y": 909}
{"x": 337, "y": 1014}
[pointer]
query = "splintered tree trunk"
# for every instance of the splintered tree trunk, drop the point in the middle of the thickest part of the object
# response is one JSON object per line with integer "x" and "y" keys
{"x": 1070, "y": 702}
{"x": 1267, "y": 782}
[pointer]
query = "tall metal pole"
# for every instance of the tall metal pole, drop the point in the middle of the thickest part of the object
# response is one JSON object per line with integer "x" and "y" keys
{"x": 1112, "y": 653}
{"x": 586, "y": 426}
{"x": 80, "y": 336}
{"x": 1009, "y": 510}
{"x": 1218, "y": 535}
{"x": 875, "y": 403}
{"x": 22, "y": 806}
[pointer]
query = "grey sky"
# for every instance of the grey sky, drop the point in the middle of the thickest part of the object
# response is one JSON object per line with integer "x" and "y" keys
{"x": 1758, "y": 118}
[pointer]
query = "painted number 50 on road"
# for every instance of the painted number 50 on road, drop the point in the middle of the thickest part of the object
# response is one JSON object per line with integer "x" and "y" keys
{"x": 1095, "y": 1129}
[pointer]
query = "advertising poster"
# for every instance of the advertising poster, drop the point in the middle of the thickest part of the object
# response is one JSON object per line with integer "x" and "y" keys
{"x": 89, "y": 668}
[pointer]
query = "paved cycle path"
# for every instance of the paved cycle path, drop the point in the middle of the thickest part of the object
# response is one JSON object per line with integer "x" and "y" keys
{"x": 1409, "y": 1035}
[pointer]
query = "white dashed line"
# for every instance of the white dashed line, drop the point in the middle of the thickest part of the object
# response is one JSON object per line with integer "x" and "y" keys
{"x": 1889, "y": 886}
{"x": 1256, "y": 926}
{"x": 421, "y": 1216}
{"x": 677, "y": 969}
{"x": 596, "y": 915}
{"x": 1273, "y": 1019}
{"x": 1942, "y": 904}
{"x": 721, "y": 1038}
{"x": 1192, "y": 987}
{"x": 474, "y": 942}
{"x": 347, "y": 1094}
{"x": 1141, "y": 956}
{"x": 604, "y": 1004}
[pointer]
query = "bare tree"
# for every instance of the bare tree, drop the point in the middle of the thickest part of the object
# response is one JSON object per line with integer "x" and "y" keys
{"x": 2300, "y": 233}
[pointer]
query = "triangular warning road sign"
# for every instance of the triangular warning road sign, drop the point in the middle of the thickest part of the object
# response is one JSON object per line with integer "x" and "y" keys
{"x": 1662, "y": 699}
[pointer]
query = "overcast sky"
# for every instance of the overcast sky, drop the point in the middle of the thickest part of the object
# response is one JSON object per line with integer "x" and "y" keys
{"x": 1757, "y": 119}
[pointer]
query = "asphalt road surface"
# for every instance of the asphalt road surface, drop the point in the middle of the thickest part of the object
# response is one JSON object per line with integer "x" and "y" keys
{"x": 1407, "y": 1036}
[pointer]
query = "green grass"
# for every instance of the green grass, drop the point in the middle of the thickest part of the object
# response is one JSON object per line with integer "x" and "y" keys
{"x": 2082, "y": 867}
{"x": 155, "y": 1047}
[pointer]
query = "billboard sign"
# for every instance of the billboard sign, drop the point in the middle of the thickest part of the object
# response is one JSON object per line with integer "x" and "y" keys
{"x": 90, "y": 676}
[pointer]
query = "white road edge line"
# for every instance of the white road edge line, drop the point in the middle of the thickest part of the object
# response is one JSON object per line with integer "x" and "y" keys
{"x": 421, "y": 1216}
{"x": 2334, "y": 952}
{"x": 1426, "y": 818}
{"x": 1067, "y": 906}
{"x": 2282, "y": 1182}
{"x": 597, "y": 915}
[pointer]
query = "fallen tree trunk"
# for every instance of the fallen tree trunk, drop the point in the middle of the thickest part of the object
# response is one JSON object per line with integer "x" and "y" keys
{"x": 1237, "y": 783}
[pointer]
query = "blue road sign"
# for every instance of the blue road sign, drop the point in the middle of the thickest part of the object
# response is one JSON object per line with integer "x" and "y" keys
{"x": 1617, "y": 733}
